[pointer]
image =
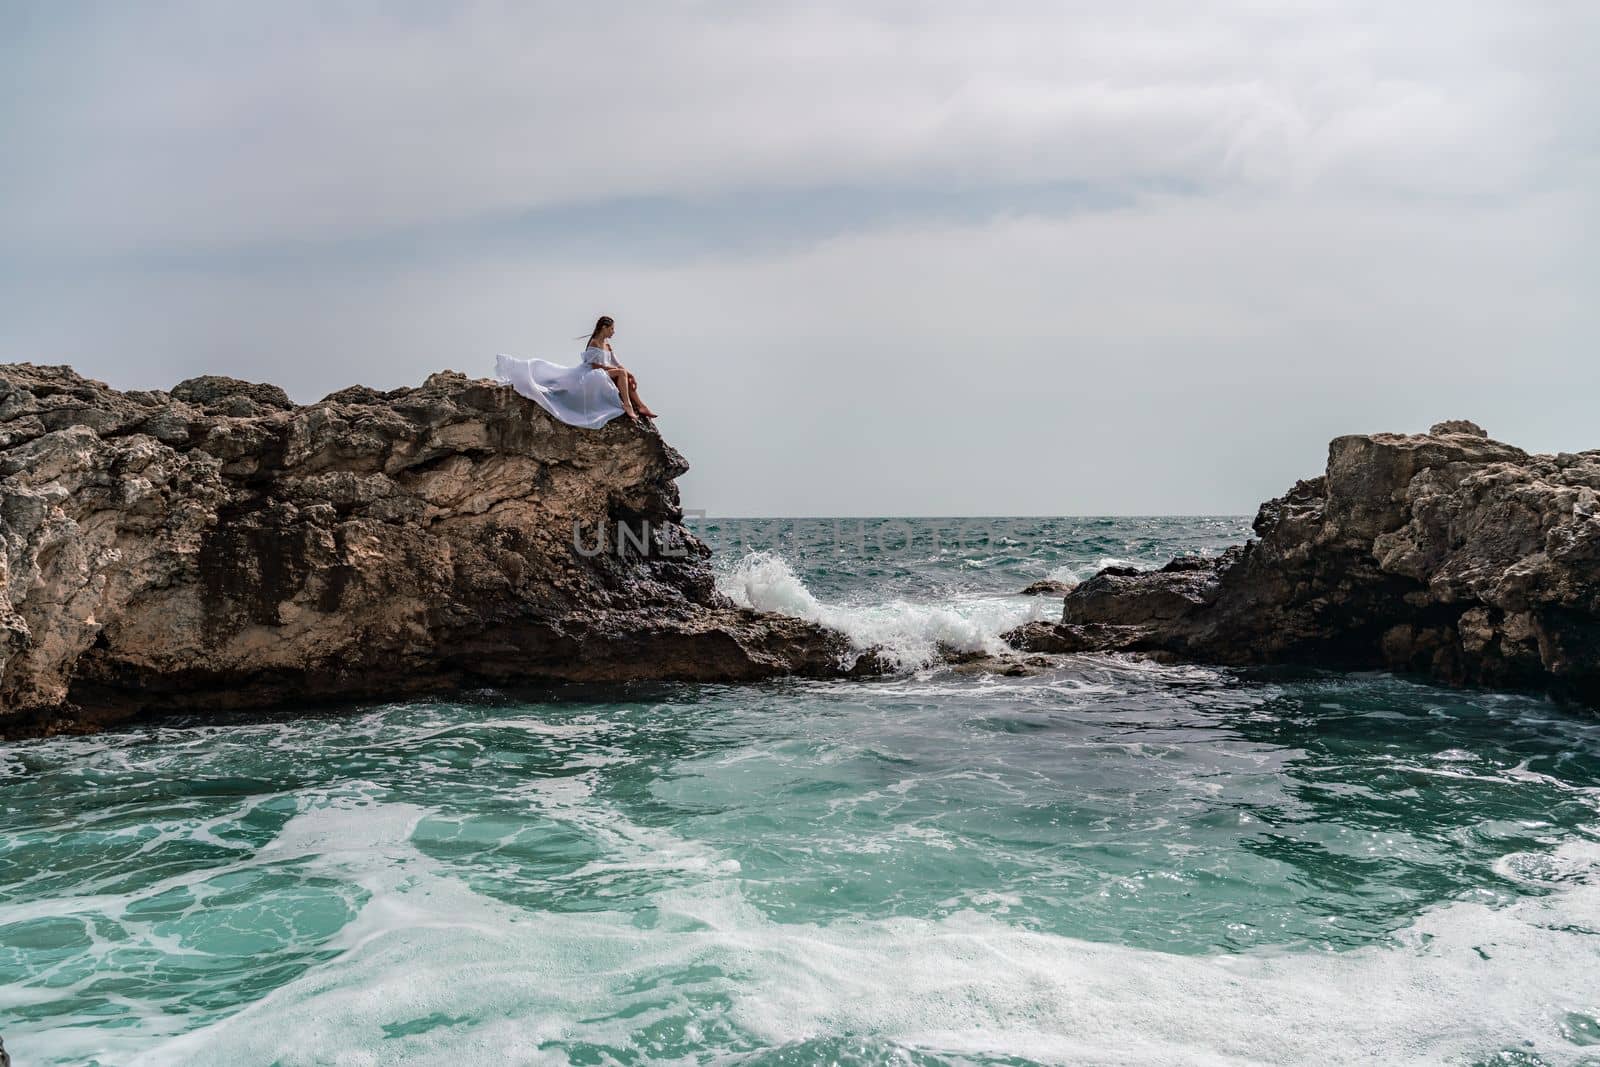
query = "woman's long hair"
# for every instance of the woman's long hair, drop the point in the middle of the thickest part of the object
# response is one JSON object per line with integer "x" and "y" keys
{"x": 602, "y": 323}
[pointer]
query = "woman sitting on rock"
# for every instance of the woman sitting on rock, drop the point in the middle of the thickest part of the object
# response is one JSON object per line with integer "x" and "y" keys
{"x": 591, "y": 394}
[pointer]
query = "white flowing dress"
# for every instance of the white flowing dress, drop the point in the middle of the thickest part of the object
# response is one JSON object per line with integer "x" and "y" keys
{"x": 579, "y": 396}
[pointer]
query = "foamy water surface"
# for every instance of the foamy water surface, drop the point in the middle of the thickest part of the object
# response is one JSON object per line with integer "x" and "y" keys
{"x": 1112, "y": 862}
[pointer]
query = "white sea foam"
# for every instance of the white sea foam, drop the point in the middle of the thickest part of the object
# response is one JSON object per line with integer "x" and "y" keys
{"x": 910, "y": 632}
{"x": 469, "y": 980}
{"x": 1079, "y": 570}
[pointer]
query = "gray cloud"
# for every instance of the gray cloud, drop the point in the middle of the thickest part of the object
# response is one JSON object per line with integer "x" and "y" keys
{"x": 870, "y": 257}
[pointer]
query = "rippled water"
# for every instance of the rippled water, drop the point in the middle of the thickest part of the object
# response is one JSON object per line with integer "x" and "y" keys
{"x": 1109, "y": 863}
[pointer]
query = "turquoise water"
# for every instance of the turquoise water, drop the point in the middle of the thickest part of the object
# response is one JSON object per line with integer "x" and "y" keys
{"x": 1112, "y": 862}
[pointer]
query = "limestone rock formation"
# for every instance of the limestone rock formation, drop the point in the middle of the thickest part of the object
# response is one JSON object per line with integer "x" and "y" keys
{"x": 1446, "y": 553}
{"x": 220, "y": 547}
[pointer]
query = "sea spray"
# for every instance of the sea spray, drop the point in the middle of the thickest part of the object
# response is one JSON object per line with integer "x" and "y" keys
{"x": 909, "y": 633}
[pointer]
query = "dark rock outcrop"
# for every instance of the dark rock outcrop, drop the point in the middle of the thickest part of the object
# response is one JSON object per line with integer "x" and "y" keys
{"x": 1047, "y": 587}
{"x": 1445, "y": 553}
{"x": 219, "y": 547}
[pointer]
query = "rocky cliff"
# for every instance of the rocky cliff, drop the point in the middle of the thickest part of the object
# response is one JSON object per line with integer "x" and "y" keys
{"x": 1445, "y": 553}
{"x": 220, "y": 547}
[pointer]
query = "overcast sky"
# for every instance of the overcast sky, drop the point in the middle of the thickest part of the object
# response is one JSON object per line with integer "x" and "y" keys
{"x": 872, "y": 257}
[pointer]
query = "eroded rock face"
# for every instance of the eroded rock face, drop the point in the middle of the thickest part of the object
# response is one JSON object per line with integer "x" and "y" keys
{"x": 1445, "y": 553}
{"x": 220, "y": 547}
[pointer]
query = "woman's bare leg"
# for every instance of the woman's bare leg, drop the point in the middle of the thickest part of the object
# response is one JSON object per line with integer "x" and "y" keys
{"x": 633, "y": 394}
{"x": 619, "y": 378}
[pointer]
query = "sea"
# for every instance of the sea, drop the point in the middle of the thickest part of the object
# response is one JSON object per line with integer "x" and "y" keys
{"x": 1107, "y": 862}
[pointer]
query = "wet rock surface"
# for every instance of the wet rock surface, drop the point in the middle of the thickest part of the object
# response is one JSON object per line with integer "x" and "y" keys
{"x": 1047, "y": 587}
{"x": 219, "y": 547}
